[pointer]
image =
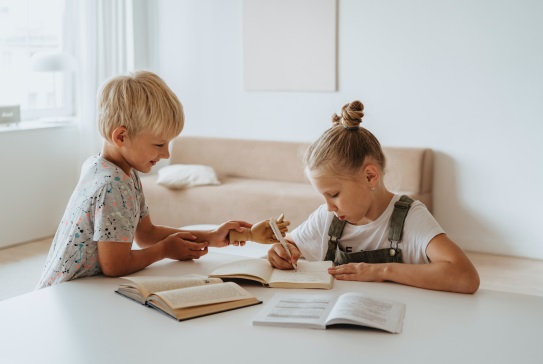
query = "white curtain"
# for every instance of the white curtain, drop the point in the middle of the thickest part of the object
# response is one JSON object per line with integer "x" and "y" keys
{"x": 100, "y": 35}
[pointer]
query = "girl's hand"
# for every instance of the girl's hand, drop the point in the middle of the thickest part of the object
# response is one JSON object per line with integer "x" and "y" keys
{"x": 219, "y": 236}
{"x": 278, "y": 257}
{"x": 181, "y": 246}
{"x": 363, "y": 272}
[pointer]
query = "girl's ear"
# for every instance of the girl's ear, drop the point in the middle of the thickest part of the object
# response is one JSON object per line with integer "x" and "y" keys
{"x": 372, "y": 175}
{"x": 119, "y": 135}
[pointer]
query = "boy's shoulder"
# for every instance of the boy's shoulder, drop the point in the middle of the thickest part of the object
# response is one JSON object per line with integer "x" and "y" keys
{"x": 98, "y": 171}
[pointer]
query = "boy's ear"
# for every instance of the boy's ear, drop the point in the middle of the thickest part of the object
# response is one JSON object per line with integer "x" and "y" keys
{"x": 119, "y": 135}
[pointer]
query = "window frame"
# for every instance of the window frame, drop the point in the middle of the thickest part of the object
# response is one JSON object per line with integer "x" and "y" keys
{"x": 64, "y": 82}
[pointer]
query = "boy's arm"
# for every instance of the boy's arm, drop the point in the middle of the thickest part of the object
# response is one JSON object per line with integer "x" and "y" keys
{"x": 117, "y": 258}
{"x": 157, "y": 242}
{"x": 449, "y": 270}
{"x": 147, "y": 234}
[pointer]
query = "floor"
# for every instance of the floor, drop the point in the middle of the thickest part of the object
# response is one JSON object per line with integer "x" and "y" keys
{"x": 20, "y": 268}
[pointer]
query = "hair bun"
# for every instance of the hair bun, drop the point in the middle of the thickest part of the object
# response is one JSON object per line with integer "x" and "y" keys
{"x": 351, "y": 115}
{"x": 336, "y": 120}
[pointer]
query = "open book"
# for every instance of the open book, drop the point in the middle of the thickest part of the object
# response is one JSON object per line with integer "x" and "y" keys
{"x": 308, "y": 274}
{"x": 186, "y": 296}
{"x": 322, "y": 310}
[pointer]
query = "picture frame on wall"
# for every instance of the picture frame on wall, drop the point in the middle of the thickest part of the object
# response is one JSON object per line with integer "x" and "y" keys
{"x": 290, "y": 45}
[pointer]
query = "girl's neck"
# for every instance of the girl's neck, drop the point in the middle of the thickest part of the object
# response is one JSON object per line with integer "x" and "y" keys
{"x": 382, "y": 198}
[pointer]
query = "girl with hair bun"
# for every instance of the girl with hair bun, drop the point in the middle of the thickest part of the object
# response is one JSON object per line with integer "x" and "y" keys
{"x": 370, "y": 233}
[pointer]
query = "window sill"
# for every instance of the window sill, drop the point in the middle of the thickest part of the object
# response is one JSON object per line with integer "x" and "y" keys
{"x": 38, "y": 124}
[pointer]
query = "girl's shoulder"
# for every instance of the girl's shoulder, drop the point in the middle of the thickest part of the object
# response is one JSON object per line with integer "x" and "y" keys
{"x": 418, "y": 212}
{"x": 322, "y": 214}
{"x": 420, "y": 209}
{"x": 317, "y": 220}
{"x": 416, "y": 205}
{"x": 420, "y": 219}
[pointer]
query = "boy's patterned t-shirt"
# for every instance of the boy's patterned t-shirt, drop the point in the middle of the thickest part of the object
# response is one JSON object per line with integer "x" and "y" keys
{"x": 106, "y": 205}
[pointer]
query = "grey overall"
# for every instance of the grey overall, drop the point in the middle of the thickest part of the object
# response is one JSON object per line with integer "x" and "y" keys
{"x": 387, "y": 255}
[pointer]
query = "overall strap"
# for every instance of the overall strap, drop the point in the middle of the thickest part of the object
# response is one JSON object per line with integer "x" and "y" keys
{"x": 394, "y": 254}
{"x": 335, "y": 231}
{"x": 336, "y": 228}
{"x": 401, "y": 208}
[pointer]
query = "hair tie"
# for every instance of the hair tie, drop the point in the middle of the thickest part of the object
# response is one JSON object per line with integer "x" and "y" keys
{"x": 351, "y": 127}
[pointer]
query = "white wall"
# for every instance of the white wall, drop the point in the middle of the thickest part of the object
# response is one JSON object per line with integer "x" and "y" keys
{"x": 460, "y": 76}
{"x": 38, "y": 171}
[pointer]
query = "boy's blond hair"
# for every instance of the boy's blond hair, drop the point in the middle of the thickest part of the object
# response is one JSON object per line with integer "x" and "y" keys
{"x": 142, "y": 102}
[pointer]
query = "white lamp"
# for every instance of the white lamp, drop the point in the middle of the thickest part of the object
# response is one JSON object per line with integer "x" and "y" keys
{"x": 53, "y": 62}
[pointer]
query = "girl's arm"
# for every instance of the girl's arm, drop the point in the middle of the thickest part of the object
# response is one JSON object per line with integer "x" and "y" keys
{"x": 449, "y": 270}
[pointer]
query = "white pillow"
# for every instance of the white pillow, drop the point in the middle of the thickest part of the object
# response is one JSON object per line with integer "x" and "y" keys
{"x": 178, "y": 176}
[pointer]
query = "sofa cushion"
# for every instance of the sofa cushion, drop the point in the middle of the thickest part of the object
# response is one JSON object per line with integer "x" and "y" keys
{"x": 178, "y": 176}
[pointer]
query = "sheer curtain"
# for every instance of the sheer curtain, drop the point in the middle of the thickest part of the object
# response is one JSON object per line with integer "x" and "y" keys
{"x": 100, "y": 36}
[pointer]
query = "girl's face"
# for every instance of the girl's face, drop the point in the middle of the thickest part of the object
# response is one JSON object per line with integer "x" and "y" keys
{"x": 349, "y": 199}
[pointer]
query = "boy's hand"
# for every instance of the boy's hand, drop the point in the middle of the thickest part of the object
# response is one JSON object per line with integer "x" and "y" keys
{"x": 219, "y": 237}
{"x": 278, "y": 257}
{"x": 181, "y": 246}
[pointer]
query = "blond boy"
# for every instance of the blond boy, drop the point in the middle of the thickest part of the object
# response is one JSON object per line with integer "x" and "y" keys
{"x": 138, "y": 115}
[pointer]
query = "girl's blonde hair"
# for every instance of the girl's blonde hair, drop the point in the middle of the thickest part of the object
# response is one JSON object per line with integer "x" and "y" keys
{"x": 344, "y": 148}
{"x": 141, "y": 102}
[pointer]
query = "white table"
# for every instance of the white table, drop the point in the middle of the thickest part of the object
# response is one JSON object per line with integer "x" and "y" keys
{"x": 84, "y": 321}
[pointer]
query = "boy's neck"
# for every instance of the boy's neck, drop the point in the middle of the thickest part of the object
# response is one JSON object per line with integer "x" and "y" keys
{"x": 112, "y": 154}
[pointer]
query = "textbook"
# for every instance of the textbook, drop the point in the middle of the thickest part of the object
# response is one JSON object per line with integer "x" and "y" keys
{"x": 318, "y": 311}
{"x": 188, "y": 296}
{"x": 307, "y": 274}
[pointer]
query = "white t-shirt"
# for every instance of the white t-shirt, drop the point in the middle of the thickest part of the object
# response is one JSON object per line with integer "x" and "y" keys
{"x": 420, "y": 227}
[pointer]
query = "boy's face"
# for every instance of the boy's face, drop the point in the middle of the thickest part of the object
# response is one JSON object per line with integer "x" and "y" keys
{"x": 143, "y": 151}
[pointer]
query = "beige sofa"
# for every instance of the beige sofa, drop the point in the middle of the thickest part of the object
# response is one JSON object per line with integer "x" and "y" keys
{"x": 261, "y": 179}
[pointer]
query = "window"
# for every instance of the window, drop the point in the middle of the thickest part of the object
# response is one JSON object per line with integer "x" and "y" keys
{"x": 30, "y": 30}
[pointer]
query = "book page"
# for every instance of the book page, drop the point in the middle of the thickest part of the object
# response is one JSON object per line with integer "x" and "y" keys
{"x": 246, "y": 268}
{"x": 202, "y": 295}
{"x": 296, "y": 310}
{"x": 307, "y": 273}
{"x": 359, "y": 309}
{"x": 149, "y": 284}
